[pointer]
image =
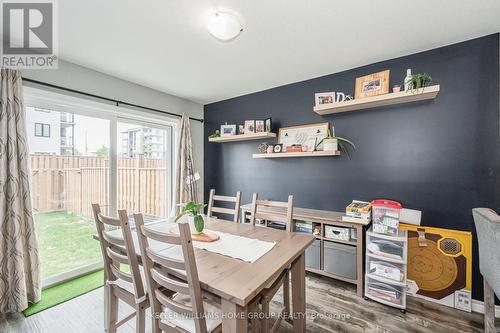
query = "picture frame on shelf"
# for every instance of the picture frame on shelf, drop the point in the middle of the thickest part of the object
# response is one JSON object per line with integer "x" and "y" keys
{"x": 227, "y": 130}
{"x": 249, "y": 126}
{"x": 278, "y": 148}
{"x": 268, "y": 124}
{"x": 324, "y": 98}
{"x": 305, "y": 135}
{"x": 241, "y": 129}
{"x": 260, "y": 126}
{"x": 372, "y": 85}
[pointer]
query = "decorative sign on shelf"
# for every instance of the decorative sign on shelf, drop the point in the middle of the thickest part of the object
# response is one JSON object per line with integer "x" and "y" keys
{"x": 305, "y": 135}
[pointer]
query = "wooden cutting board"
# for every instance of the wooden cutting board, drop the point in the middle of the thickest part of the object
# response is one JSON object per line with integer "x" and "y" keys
{"x": 206, "y": 236}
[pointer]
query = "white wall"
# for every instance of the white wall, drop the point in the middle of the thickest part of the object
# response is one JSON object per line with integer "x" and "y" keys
{"x": 87, "y": 80}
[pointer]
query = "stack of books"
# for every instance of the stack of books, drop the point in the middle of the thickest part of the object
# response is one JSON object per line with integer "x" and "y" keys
{"x": 358, "y": 212}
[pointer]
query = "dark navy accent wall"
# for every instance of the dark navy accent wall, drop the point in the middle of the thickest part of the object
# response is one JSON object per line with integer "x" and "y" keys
{"x": 440, "y": 156}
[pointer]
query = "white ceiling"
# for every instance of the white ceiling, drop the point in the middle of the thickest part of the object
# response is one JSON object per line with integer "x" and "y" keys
{"x": 163, "y": 44}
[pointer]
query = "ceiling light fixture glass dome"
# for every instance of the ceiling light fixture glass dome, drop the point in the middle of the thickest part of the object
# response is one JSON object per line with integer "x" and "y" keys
{"x": 224, "y": 26}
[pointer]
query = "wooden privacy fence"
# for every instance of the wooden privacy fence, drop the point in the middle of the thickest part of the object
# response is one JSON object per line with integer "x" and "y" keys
{"x": 73, "y": 183}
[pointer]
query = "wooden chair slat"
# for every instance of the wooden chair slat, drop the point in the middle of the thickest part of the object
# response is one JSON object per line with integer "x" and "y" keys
{"x": 271, "y": 217}
{"x": 118, "y": 257}
{"x": 222, "y": 210}
{"x": 173, "y": 305}
{"x": 224, "y": 198}
{"x": 165, "y": 261}
{"x": 121, "y": 274}
{"x": 170, "y": 284}
{"x": 109, "y": 220}
{"x": 270, "y": 203}
{"x": 113, "y": 240}
{"x": 163, "y": 237}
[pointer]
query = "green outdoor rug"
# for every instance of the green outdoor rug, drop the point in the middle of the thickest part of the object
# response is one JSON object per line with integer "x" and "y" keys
{"x": 65, "y": 291}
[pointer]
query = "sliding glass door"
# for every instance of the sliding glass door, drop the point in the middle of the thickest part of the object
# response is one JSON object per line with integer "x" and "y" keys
{"x": 144, "y": 170}
{"x": 82, "y": 153}
{"x": 70, "y": 170}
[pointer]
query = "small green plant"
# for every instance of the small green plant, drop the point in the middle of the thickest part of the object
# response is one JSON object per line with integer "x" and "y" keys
{"x": 343, "y": 143}
{"x": 215, "y": 134}
{"x": 419, "y": 81}
{"x": 194, "y": 210}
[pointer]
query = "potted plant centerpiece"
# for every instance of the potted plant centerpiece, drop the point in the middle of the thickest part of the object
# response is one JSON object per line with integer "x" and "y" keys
{"x": 193, "y": 211}
{"x": 334, "y": 143}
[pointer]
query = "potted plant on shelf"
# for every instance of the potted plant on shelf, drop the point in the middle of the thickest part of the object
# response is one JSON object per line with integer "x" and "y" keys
{"x": 419, "y": 81}
{"x": 193, "y": 210}
{"x": 334, "y": 143}
{"x": 215, "y": 134}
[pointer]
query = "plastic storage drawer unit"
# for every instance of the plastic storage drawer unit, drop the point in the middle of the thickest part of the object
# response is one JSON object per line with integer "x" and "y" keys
{"x": 340, "y": 259}
{"x": 313, "y": 255}
{"x": 385, "y": 216}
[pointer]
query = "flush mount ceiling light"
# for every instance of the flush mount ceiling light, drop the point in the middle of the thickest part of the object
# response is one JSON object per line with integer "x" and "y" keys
{"x": 224, "y": 26}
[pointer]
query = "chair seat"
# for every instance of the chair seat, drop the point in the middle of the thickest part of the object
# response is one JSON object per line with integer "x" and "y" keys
{"x": 212, "y": 312}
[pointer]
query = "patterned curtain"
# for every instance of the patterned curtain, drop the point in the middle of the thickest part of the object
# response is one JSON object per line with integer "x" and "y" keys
{"x": 19, "y": 259}
{"x": 185, "y": 187}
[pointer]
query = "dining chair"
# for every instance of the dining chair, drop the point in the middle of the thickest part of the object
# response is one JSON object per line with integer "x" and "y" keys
{"x": 177, "y": 303}
{"x": 273, "y": 211}
{"x": 127, "y": 286}
{"x": 488, "y": 235}
{"x": 213, "y": 209}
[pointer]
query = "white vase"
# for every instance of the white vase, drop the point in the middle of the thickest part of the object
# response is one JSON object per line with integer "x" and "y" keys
{"x": 330, "y": 145}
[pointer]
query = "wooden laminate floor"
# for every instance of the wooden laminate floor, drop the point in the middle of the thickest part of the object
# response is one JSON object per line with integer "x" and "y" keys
{"x": 332, "y": 306}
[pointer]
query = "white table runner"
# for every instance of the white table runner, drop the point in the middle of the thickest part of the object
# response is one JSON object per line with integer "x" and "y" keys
{"x": 243, "y": 248}
{"x": 238, "y": 247}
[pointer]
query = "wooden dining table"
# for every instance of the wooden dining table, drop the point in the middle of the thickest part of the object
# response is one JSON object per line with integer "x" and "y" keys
{"x": 238, "y": 282}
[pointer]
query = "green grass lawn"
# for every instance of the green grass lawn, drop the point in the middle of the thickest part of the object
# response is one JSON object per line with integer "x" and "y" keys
{"x": 66, "y": 242}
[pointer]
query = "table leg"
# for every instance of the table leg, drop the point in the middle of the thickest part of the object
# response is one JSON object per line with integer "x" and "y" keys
{"x": 299, "y": 294}
{"x": 234, "y": 317}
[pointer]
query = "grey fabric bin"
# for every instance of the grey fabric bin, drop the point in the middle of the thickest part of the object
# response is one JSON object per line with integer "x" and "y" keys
{"x": 313, "y": 255}
{"x": 340, "y": 259}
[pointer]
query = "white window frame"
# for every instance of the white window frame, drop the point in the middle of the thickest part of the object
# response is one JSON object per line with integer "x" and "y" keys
{"x": 50, "y": 100}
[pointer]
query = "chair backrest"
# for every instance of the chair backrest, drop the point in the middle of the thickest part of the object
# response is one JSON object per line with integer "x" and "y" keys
{"x": 213, "y": 209}
{"x": 276, "y": 211}
{"x": 116, "y": 251}
{"x": 162, "y": 285}
{"x": 488, "y": 235}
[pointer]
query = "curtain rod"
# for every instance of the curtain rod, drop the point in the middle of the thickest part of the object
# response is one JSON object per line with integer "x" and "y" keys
{"x": 117, "y": 102}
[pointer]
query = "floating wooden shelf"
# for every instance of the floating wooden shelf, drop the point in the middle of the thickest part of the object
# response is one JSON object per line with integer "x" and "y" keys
{"x": 380, "y": 100}
{"x": 298, "y": 154}
{"x": 244, "y": 137}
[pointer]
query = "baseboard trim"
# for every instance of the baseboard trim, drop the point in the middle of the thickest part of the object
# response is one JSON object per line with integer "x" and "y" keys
{"x": 478, "y": 306}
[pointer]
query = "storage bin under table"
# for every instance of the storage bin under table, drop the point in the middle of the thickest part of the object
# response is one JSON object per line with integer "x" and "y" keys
{"x": 340, "y": 259}
{"x": 313, "y": 255}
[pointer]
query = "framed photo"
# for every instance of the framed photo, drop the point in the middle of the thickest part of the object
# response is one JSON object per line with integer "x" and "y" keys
{"x": 227, "y": 130}
{"x": 305, "y": 135}
{"x": 249, "y": 126}
{"x": 278, "y": 148}
{"x": 372, "y": 85}
{"x": 268, "y": 124}
{"x": 241, "y": 129}
{"x": 259, "y": 126}
{"x": 324, "y": 98}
